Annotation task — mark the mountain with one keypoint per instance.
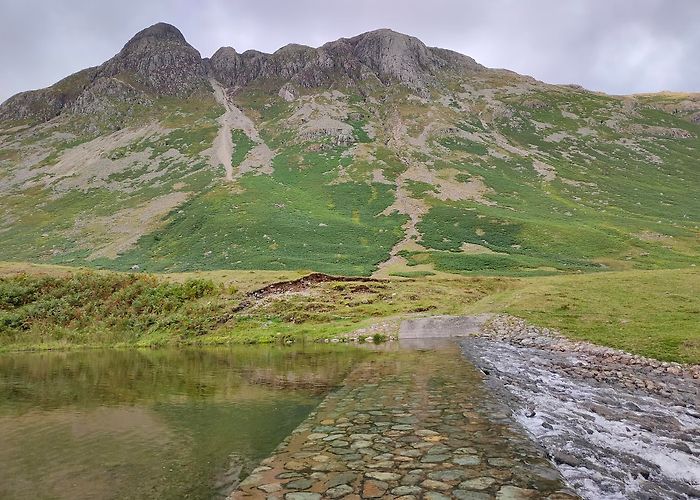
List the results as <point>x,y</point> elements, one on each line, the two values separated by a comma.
<point>370,154</point>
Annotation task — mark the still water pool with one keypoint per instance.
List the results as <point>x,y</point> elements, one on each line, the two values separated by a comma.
<point>153,423</point>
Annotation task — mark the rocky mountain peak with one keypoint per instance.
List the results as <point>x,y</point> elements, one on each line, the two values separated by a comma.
<point>292,48</point>
<point>159,31</point>
<point>159,58</point>
<point>393,55</point>
<point>384,55</point>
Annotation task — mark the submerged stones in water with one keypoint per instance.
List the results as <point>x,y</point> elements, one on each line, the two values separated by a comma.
<point>425,426</point>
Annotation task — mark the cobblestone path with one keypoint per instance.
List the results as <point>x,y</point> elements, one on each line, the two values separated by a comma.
<point>408,425</point>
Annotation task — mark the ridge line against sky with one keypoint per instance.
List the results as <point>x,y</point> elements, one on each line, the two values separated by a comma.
<point>615,46</point>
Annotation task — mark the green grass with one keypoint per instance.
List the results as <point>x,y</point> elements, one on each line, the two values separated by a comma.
<point>358,130</point>
<point>420,189</point>
<point>241,147</point>
<point>301,222</point>
<point>652,313</point>
<point>90,307</point>
<point>412,274</point>
<point>48,308</point>
<point>613,205</point>
<point>188,141</point>
<point>465,145</point>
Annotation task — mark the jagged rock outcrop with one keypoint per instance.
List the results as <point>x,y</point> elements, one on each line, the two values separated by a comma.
<point>105,94</point>
<point>47,103</point>
<point>160,59</point>
<point>382,55</point>
<point>237,70</point>
<point>394,56</point>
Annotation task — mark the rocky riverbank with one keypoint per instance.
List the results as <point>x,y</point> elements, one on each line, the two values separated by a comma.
<point>617,425</point>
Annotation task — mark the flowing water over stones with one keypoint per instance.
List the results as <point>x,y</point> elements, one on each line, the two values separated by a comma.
<point>408,424</point>
<point>618,426</point>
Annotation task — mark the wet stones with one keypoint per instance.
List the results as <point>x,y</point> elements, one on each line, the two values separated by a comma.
<point>412,432</point>
<point>374,489</point>
<point>562,457</point>
<point>615,424</point>
<point>603,364</point>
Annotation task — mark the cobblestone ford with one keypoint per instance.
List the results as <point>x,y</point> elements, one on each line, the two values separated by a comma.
<point>408,425</point>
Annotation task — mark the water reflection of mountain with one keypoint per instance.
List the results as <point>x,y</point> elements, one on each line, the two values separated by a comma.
<point>109,377</point>
<point>153,423</point>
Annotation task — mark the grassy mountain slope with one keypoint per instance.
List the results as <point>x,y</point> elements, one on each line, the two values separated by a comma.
<point>479,171</point>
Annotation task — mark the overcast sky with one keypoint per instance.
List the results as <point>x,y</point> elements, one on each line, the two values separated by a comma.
<point>618,46</point>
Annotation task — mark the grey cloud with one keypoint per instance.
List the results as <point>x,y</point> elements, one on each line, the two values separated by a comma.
<point>617,46</point>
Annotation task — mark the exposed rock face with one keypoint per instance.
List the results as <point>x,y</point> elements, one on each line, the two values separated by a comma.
<point>404,58</point>
<point>382,55</point>
<point>237,70</point>
<point>47,103</point>
<point>159,58</point>
<point>103,95</point>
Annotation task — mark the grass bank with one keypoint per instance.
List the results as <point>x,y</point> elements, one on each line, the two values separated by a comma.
<point>653,313</point>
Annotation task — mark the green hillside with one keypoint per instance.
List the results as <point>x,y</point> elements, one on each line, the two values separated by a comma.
<point>476,171</point>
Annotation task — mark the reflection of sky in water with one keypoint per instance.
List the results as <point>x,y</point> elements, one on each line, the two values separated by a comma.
<point>141,424</point>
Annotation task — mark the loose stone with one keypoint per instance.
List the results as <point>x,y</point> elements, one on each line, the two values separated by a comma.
<point>515,493</point>
<point>302,496</point>
<point>383,476</point>
<point>406,490</point>
<point>270,488</point>
<point>339,491</point>
<point>398,438</point>
<point>467,460</point>
<point>446,475</point>
<point>471,495</point>
<point>431,484</point>
<point>299,484</point>
<point>479,483</point>
<point>374,489</point>
<point>433,495</point>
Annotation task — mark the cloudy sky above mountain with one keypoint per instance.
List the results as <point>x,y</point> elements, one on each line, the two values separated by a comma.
<point>617,46</point>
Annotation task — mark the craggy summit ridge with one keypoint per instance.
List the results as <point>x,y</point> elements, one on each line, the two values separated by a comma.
<point>158,60</point>
<point>384,55</point>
